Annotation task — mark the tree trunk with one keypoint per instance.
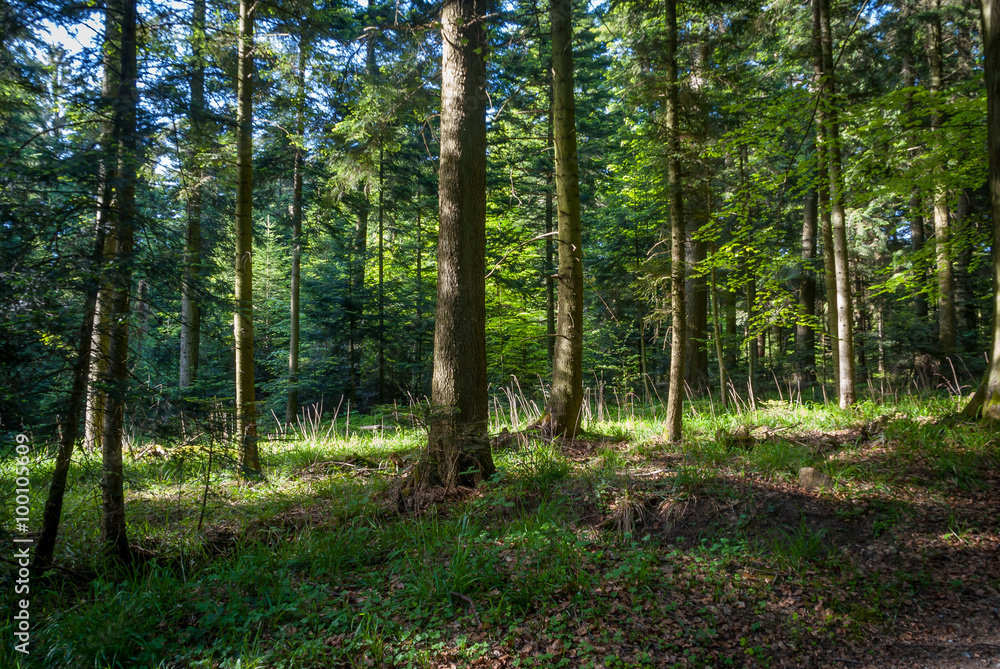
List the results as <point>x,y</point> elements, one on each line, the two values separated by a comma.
<point>823,195</point>
<point>964,304</point>
<point>381,273</point>
<point>942,244</point>
<point>458,449</point>
<point>566,397</point>
<point>696,288</point>
<point>356,289</point>
<point>753,351</point>
<point>717,336</point>
<point>732,334</point>
<point>863,325</point>
<point>678,315</point>
<point>965,225</point>
<point>550,285</point>
<point>986,400</point>
<point>418,385</point>
<point>190,303</point>
<point>805,335</point>
<point>246,408</point>
<point>838,220</point>
<point>122,223</point>
<point>915,207</point>
<point>107,175</point>
<point>298,165</point>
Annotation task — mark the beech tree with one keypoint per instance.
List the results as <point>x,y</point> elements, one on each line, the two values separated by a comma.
<point>986,400</point>
<point>942,215</point>
<point>563,410</point>
<point>838,216</point>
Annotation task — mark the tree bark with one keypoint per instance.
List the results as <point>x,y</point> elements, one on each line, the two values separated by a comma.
<point>122,223</point>
<point>805,335</point>
<point>915,206</point>
<point>753,350</point>
<point>458,450</point>
<point>381,273</point>
<point>418,385</point>
<point>838,220</point>
<point>986,400</point>
<point>942,244</point>
<point>732,351</point>
<point>298,166</point>
<point>190,340</point>
<point>356,290</point>
<point>566,396</point>
<point>246,408</point>
<point>965,307</point>
<point>678,316</point>
<point>823,195</point>
<point>696,288</point>
<point>550,284</point>
<point>719,348</point>
<point>107,175</point>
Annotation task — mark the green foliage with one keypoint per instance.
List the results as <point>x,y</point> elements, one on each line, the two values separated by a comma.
<point>313,566</point>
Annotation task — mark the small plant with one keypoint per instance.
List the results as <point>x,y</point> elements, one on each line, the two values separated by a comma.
<point>543,464</point>
<point>630,510</point>
<point>887,516</point>
<point>800,546</point>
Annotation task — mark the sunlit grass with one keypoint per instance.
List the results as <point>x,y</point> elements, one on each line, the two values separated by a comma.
<point>312,566</point>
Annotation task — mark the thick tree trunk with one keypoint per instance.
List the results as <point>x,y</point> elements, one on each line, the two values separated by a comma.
<point>190,303</point>
<point>838,220</point>
<point>678,315</point>
<point>246,408</point>
<point>805,335</point>
<point>942,236</point>
<point>986,400</point>
<point>566,397</point>
<point>458,449</point>
<point>123,221</point>
<point>298,165</point>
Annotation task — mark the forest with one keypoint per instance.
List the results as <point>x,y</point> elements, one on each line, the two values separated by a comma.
<point>499,333</point>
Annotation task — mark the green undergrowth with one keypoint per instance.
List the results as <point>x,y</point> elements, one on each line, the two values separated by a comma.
<point>623,551</point>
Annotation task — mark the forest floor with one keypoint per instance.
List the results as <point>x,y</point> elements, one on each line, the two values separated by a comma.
<point>615,550</point>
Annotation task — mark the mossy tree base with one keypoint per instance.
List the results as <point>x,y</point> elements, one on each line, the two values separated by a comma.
<point>985,403</point>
